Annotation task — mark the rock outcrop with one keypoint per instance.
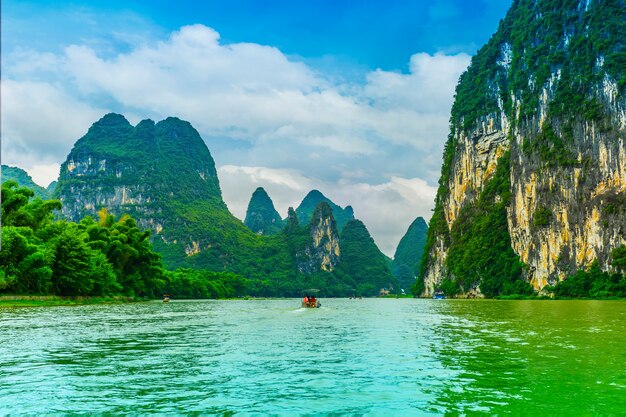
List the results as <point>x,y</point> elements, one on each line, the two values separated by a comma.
<point>161,174</point>
<point>323,252</point>
<point>546,95</point>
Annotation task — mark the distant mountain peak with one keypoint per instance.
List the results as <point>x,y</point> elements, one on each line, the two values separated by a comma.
<point>23,179</point>
<point>112,119</point>
<point>409,253</point>
<point>261,216</point>
<point>310,202</point>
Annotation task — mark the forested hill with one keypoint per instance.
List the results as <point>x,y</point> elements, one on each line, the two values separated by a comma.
<point>408,256</point>
<point>313,198</point>
<point>163,176</point>
<point>22,178</point>
<point>261,216</point>
<point>533,182</point>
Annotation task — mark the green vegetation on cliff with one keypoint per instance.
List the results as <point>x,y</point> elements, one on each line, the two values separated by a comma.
<point>310,202</point>
<point>409,253</point>
<point>535,40</point>
<point>553,72</point>
<point>363,261</point>
<point>595,283</point>
<point>480,245</point>
<point>261,216</point>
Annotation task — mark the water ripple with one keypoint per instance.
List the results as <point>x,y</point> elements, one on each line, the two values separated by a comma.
<point>375,357</point>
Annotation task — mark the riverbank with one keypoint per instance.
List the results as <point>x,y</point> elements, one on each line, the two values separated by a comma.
<point>57,300</point>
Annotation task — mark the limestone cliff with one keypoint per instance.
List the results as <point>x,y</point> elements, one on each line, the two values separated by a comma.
<point>546,95</point>
<point>161,174</point>
<point>322,252</point>
<point>261,216</point>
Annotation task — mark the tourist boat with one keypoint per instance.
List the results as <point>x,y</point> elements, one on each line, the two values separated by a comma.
<point>310,296</point>
<point>166,298</point>
<point>439,295</point>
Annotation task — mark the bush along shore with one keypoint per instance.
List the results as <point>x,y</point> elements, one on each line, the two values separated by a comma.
<point>57,300</point>
<point>45,261</point>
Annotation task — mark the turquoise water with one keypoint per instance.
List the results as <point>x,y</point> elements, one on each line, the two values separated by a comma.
<point>372,356</point>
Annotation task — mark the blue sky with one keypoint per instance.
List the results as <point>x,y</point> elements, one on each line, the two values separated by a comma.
<point>350,97</point>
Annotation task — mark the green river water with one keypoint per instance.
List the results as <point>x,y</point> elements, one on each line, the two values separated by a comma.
<point>372,356</point>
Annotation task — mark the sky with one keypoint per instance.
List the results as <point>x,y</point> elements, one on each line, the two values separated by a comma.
<point>348,97</point>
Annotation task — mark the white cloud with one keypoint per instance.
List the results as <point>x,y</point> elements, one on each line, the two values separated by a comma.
<point>40,123</point>
<point>376,145</point>
<point>254,92</point>
<point>44,174</point>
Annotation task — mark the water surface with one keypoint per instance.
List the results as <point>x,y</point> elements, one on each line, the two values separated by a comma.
<point>372,356</point>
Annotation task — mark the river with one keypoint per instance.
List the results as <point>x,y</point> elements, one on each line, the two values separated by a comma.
<point>370,356</point>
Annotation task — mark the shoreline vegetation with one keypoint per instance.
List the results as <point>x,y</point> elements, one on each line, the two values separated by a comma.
<point>45,261</point>
<point>59,300</point>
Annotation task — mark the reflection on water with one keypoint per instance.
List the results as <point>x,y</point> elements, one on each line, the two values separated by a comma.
<point>350,356</point>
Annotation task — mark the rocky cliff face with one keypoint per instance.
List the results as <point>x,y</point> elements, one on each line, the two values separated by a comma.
<point>322,253</point>
<point>310,202</point>
<point>261,216</point>
<point>161,174</point>
<point>164,176</point>
<point>547,93</point>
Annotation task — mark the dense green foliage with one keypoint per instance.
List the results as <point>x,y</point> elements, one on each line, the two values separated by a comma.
<point>409,253</point>
<point>261,216</point>
<point>199,284</point>
<point>363,262</point>
<point>595,283</point>
<point>542,217</point>
<point>22,178</point>
<point>104,257</point>
<point>163,175</point>
<point>545,37</point>
<point>311,201</point>
<point>480,251</point>
<point>42,256</point>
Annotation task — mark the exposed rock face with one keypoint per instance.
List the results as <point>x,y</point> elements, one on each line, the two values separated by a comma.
<point>409,253</point>
<point>161,174</point>
<point>323,252</point>
<point>548,90</point>
<point>22,178</point>
<point>310,202</point>
<point>261,216</point>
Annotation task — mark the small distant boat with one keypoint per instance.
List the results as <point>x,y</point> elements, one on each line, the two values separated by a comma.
<point>166,298</point>
<point>439,295</point>
<point>309,300</point>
